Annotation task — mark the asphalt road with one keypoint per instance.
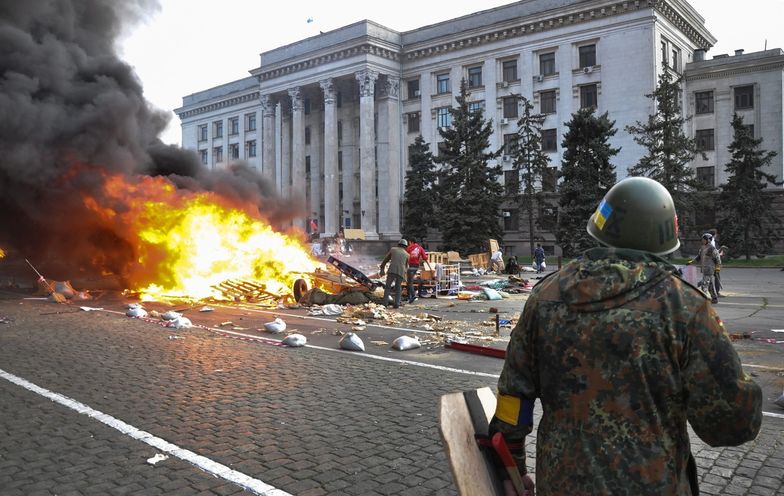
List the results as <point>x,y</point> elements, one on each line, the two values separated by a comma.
<point>86,398</point>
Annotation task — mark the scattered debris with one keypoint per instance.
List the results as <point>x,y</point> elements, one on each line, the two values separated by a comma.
<point>91,309</point>
<point>176,337</point>
<point>404,343</point>
<point>351,342</point>
<point>276,326</point>
<point>206,309</point>
<point>157,458</point>
<point>295,340</point>
<point>780,402</point>
<point>379,343</point>
<point>328,309</point>
<point>6,320</point>
<point>242,290</point>
<point>227,323</point>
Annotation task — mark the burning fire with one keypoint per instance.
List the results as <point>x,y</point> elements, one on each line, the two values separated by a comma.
<point>186,242</point>
<point>2,253</point>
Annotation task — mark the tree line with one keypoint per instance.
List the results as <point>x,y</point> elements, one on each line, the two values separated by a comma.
<point>458,191</point>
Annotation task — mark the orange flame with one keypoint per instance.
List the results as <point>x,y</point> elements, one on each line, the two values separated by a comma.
<point>186,242</point>
<point>2,253</point>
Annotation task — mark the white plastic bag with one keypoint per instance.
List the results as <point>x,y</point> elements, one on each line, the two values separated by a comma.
<point>171,315</point>
<point>276,326</point>
<point>180,323</point>
<point>404,343</point>
<point>351,342</point>
<point>295,340</point>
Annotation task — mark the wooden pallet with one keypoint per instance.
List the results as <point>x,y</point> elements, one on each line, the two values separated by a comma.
<point>240,289</point>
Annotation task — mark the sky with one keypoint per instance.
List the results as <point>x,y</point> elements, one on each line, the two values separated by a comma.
<point>191,45</point>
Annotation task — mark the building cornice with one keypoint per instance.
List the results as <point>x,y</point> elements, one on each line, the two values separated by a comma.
<point>666,9</point>
<point>210,107</point>
<point>723,72</point>
<point>364,48</point>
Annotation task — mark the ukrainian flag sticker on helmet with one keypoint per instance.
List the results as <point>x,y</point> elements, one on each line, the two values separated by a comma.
<point>602,214</point>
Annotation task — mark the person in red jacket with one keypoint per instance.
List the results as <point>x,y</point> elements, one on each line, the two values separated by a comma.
<point>416,256</point>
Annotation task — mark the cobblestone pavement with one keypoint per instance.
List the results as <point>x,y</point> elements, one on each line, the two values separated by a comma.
<point>307,421</point>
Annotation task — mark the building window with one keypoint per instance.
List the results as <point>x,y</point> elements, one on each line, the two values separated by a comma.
<point>744,97</point>
<point>549,179</point>
<point>413,122</point>
<point>510,107</point>
<point>307,135</point>
<point>511,220</point>
<point>474,77</point>
<point>307,167</point>
<point>441,148</point>
<point>547,64</point>
<point>510,142</point>
<point>217,129</point>
<point>413,88</point>
<point>588,96</point>
<point>340,133</point>
<point>704,140</point>
<point>340,162</point>
<point>664,52</point>
<point>442,83</point>
<point>703,101</point>
<point>203,132</point>
<point>587,56</point>
<point>676,59</point>
<point>250,122</point>
<point>549,140</point>
<point>512,182</point>
<point>749,129</point>
<point>548,217</point>
<point>234,151</point>
<point>509,70</point>
<point>706,175</point>
<point>234,126</point>
<point>476,106</point>
<point>339,99</point>
<point>443,117</point>
<point>306,105</point>
<point>203,156</point>
<point>250,145</point>
<point>547,102</point>
<point>217,154</point>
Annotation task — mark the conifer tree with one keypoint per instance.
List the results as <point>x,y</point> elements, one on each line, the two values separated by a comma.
<point>587,176</point>
<point>469,193</point>
<point>669,150</point>
<point>530,161</point>
<point>419,200</point>
<point>748,224</point>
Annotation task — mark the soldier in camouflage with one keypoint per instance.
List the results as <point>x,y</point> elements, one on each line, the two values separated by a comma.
<point>622,353</point>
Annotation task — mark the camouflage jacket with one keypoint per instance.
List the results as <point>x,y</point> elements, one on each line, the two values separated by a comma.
<point>709,259</point>
<point>621,353</point>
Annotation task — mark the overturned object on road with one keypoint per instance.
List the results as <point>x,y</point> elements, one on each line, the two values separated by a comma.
<point>404,343</point>
<point>295,340</point>
<point>351,342</point>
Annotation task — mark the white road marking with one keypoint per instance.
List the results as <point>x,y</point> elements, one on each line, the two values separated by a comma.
<point>771,414</point>
<point>214,468</point>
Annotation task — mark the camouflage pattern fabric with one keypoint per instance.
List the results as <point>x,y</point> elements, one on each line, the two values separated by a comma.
<point>621,353</point>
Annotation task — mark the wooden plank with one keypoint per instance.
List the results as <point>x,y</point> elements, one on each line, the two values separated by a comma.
<point>493,245</point>
<point>469,468</point>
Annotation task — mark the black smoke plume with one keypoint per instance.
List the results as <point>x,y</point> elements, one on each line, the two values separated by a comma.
<point>70,109</point>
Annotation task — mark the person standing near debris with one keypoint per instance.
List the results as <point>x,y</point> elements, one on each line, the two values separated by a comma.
<point>497,261</point>
<point>397,258</point>
<point>416,255</point>
<point>514,266</point>
<point>622,354</point>
<point>539,263</point>
<point>709,259</point>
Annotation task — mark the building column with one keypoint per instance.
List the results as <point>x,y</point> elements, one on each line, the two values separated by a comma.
<point>367,155</point>
<point>268,138</point>
<point>389,158</point>
<point>298,153</point>
<point>332,207</point>
<point>285,151</point>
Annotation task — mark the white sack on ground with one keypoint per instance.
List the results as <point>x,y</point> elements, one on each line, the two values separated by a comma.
<point>351,342</point>
<point>135,310</point>
<point>276,326</point>
<point>404,343</point>
<point>180,323</point>
<point>171,315</point>
<point>295,340</point>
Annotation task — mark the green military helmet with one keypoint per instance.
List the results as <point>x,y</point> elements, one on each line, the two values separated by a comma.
<point>637,213</point>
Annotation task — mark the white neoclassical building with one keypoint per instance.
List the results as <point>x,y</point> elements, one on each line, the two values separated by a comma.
<point>330,118</point>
